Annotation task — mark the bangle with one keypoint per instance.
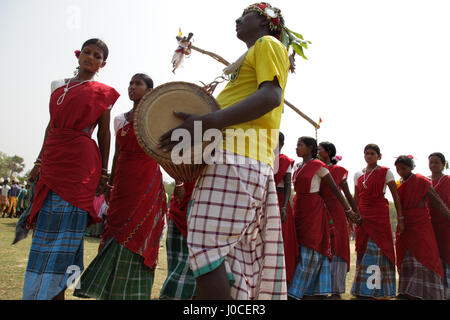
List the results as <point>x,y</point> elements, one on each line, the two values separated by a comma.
<point>179,185</point>
<point>401,218</point>
<point>105,176</point>
<point>348,210</point>
<point>37,164</point>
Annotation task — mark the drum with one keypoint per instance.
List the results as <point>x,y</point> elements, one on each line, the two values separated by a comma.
<point>154,117</point>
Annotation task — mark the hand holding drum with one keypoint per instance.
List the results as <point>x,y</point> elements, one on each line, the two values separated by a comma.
<point>160,113</point>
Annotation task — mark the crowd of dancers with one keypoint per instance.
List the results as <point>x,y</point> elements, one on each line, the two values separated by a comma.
<point>232,233</point>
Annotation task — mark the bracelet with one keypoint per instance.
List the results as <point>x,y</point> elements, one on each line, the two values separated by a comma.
<point>179,185</point>
<point>401,218</point>
<point>348,210</point>
<point>105,176</point>
<point>38,164</point>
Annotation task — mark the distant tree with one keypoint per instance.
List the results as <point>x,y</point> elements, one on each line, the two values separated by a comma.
<point>10,166</point>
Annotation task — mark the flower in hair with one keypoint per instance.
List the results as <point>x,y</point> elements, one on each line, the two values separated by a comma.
<point>77,53</point>
<point>410,156</point>
<point>339,158</point>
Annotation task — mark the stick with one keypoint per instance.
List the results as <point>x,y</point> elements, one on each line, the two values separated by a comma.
<point>211,54</point>
<point>225,62</point>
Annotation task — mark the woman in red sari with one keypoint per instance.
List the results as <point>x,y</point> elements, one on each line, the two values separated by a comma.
<point>340,244</point>
<point>70,168</point>
<point>441,225</point>
<point>375,264</point>
<point>126,261</point>
<point>313,275</point>
<point>420,269</point>
<point>282,178</point>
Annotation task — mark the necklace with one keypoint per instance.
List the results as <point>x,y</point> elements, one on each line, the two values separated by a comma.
<point>124,133</point>
<point>66,89</point>
<point>439,181</point>
<point>403,181</point>
<point>367,178</point>
<point>296,173</point>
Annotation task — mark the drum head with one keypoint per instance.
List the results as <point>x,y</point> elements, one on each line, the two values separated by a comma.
<point>154,114</point>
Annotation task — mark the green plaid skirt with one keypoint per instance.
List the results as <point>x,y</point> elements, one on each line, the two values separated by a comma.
<point>116,273</point>
<point>180,281</point>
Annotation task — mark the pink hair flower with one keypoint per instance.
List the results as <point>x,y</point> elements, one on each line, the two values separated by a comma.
<point>410,156</point>
<point>77,53</point>
<point>339,158</point>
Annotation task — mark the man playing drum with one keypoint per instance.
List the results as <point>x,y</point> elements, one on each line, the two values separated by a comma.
<point>234,228</point>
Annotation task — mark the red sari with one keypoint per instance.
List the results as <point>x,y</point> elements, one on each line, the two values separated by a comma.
<point>138,205</point>
<point>311,214</point>
<point>71,160</point>
<point>290,245</point>
<point>374,210</point>
<point>441,224</point>
<point>340,242</point>
<point>178,211</point>
<point>418,237</point>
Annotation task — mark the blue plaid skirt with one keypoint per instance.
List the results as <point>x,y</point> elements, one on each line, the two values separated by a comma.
<point>312,275</point>
<point>56,251</point>
<point>446,279</point>
<point>338,275</point>
<point>375,274</point>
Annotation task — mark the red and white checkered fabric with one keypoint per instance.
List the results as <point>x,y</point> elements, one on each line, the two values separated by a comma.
<point>235,217</point>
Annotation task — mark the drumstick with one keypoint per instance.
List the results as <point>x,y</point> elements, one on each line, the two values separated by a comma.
<point>225,62</point>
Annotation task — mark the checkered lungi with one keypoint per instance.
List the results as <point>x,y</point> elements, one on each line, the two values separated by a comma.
<point>446,279</point>
<point>57,244</point>
<point>364,283</point>
<point>180,282</point>
<point>312,276</point>
<point>416,280</point>
<point>338,274</point>
<point>234,218</point>
<point>116,273</point>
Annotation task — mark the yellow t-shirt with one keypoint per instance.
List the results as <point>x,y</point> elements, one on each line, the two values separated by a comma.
<point>267,59</point>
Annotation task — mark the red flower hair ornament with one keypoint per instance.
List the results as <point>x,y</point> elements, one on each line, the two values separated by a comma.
<point>278,29</point>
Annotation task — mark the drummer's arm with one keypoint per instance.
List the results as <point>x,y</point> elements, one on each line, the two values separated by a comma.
<point>265,99</point>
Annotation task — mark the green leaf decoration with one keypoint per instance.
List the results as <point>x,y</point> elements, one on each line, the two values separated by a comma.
<point>284,38</point>
<point>299,50</point>
<point>298,35</point>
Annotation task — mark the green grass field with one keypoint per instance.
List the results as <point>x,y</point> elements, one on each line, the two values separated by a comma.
<point>14,261</point>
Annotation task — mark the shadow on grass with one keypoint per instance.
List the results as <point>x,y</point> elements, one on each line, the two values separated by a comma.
<point>10,224</point>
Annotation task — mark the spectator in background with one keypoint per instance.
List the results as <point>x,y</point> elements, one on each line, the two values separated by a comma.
<point>21,200</point>
<point>4,202</point>
<point>13,197</point>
